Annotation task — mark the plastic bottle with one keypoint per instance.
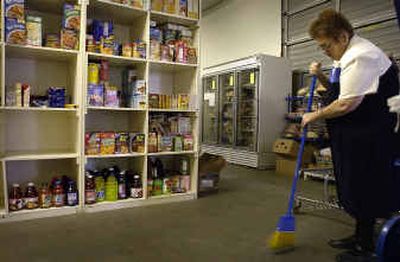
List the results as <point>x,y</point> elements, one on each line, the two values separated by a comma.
<point>45,196</point>
<point>58,198</point>
<point>90,189</point>
<point>72,194</point>
<point>157,177</point>
<point>100,187</point>
<point>122,185</point>
<point>111,187</point>
<point>31,197</point>
<point>15,201</point>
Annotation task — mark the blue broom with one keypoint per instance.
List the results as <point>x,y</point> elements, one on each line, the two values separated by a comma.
<point>283,238</point>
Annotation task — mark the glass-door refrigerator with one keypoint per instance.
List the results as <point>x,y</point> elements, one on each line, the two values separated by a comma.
<point>227,109</point>
<point>210,123</point>
<point>250,94</point>
<point>247,109</point>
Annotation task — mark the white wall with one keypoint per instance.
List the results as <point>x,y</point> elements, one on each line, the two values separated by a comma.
<point>239,28</point>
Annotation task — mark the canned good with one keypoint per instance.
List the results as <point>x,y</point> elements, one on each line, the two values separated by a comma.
<point>93,73</point>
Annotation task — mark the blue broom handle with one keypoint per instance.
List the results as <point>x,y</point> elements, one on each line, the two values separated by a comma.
<point>301,150</point>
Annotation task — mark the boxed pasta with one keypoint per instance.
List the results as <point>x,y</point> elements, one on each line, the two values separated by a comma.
<point>69,39</point>
<point>193,9</point>
<point>34,30</point>
<point>107,144</point>
<point>15,31</point>
<point>15,9</point>
<point>122,143</point>
<point>92,143</point>
<point>72,17</point>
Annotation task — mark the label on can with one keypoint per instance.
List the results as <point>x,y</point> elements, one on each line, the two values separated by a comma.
<point>72,199</point>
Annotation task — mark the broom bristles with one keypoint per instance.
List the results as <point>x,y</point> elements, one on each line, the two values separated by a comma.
<point>282,241</point>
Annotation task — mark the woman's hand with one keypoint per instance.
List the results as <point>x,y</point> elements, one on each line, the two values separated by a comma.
<point>309,118</point>
<point>315,68</point>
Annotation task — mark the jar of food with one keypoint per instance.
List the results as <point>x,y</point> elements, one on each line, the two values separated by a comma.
<point>31,197</point>
<point>137,188</point>
<point>44,196</point>
<point>90,189</point>
<point>15,201</point>
<point>58,198</point>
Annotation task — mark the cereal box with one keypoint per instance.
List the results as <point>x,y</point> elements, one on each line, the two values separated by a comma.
<point>15,31</point>
<point>187,142</point>
<point>166,144</point>
<point>15,9</point>
<point>95,95</point>
<point>72,17</point>
<point>107,144</point>
<point>92,143</point>
<point>136,143</point>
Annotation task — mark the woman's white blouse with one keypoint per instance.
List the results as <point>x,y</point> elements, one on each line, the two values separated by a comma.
<point>361,66</point>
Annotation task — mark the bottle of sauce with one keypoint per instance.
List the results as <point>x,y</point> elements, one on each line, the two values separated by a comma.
<point>15,201</point>
<point>31,197</point>
<point>122,185</point>
<point>90,189</point>
<point>44,196</point>
<point>72,194</point>
<point>58,199</point>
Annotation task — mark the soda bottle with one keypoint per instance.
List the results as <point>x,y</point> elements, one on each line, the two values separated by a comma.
<point>31,196</point>
<point>44,196</point>
<point>90,189</point>
<point>100,187</point>
<point>185,178</point>
<point>111,187</point>
<point>58,194</point>
<point>15,201</point>
<point>72,194</point>
<point>122,185</point>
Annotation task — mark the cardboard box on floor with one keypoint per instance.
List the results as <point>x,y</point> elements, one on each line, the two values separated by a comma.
<point>210,167</point>
<point>286,151</point>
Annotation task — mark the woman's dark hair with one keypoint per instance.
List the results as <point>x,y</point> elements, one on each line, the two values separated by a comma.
<point>330,24</point>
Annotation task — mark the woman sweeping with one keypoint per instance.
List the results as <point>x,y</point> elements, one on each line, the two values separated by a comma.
<point>360,126</point>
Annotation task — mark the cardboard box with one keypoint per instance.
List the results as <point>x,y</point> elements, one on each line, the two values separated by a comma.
<point>286,166</point>
<point>288,148</point>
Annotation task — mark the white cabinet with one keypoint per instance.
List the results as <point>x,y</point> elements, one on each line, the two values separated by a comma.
<point>39,143</point>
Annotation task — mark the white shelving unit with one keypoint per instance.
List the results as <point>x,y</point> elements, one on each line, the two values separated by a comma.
<point>37,144</point>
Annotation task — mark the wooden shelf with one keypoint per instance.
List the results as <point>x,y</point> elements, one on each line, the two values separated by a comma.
<point>125,203</point>
<point>40,52</point>
<point>173,110</point>
<point>171,66</point>
<point>116,60</point>
<point>171,153</point>
<point>120,13</point>
<point>41,213</point>
<point>38,156</point>
<point>102,108</point>
<point>171,18</point>
<point>114,156</point>
<point>41,109</point>
<point>171,196</point>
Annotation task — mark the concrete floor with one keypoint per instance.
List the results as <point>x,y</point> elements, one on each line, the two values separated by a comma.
<point>229,226</point>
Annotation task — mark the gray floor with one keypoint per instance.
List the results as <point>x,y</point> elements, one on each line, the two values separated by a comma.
<point>229,226</point>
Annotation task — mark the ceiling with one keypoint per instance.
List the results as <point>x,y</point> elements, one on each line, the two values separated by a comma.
<point>206,4</point>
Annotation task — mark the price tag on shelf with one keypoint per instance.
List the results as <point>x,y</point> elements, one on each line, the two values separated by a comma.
<point>213,84</point>
<point>231,80</point>
<point>252,80</point>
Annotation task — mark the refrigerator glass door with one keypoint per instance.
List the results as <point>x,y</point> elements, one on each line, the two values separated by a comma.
<point>210,110</point>
<point>247,109</point>
<point>228,101</point>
